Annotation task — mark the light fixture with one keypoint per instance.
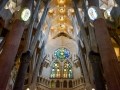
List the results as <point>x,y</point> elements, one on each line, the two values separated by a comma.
<point>52,28</point>
<point>58,70</point>
<point>28,89</point>
<point>55,64</point>
<point>61,18</point>
<point>72,10</point>
<point>64,69</point>
<point>62,26</point>
<point>62,10</point>
<point>51,11</point>
<point>92,13</point>
<point>25,15</point>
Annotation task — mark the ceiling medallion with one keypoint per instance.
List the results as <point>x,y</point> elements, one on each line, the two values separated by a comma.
<point>62,10</point>
<point>62,26</point>
<point>61,18</point>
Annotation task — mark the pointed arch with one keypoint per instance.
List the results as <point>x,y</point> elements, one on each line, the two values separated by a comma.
<point>67,71</point>
<point>56,70</point>
<point>70,84</point>
<point>52,84</point>
<point>65,84</point>
<point>57,83</point>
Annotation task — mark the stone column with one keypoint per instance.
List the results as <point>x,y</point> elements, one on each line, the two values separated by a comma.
<point>38,68</point>
<point>84,68</point>
<point>19,82</point>
<point>10,48</point>
<point>30,28</point>
<point>83,34</point>
<point>9,52</point>
<point>108,56</point>
<point>96,65</point>
<point>107,53</point>
<point>39,31</point>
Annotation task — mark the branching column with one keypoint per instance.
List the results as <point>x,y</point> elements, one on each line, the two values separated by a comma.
<point>85,40</point>
<point>30,27</point>
<point>96,65</point>
<point>39,31</point>
<point>19,83</point>
<point>108,56</point>
<point>94,56</point>
<point>33,43</point>
<point>84,68</point>
<point>37,68</point>
<point>107,53</point>
<point>10,48</point>
<point>9,52</point>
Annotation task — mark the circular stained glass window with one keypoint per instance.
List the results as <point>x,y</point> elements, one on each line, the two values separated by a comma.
<point>62,53</point>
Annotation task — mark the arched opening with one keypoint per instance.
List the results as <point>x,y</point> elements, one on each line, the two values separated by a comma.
<point>70,84</point>
<point>82,80</point>
<point>43,81</point>
<point>65,84</point>
<point>55,73</point>
<point>74,83</point>
<point>52,84</point>
<point>78,81</point>
<point>57,83</point>
<point>67,72</point>
<point>40,79</point>
<point>49,83</point>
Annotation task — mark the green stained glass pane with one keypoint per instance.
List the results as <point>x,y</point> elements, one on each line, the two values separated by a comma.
<point>62,53</point>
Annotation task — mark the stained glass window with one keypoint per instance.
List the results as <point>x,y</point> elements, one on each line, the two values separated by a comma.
<point>55,73</point>
<point>67,72</point>
<point>62,53</point>
<point>59,71</point>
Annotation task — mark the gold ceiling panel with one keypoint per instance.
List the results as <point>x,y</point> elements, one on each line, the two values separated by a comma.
<point>59,12</point>
<point>61,2</point>
<point>59,20</point>
<point>62,10</point>
<point>62,18</point>
<point>51,12</point>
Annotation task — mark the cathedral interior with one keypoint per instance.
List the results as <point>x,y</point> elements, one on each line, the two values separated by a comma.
<point>59,45</point>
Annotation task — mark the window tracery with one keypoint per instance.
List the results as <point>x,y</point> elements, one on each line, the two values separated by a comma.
<point>62,53</point>
<point>61,71</point>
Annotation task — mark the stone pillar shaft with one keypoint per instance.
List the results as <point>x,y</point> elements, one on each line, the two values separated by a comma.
<point>97,70</point>
<point>108,56</point>
<point>30,28</point>
<point>39,32</point>
<point>19,83</point>
<point>9,52</point>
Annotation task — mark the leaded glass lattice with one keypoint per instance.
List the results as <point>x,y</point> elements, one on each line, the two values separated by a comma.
<point>60,70</point>
<point>62,53</point>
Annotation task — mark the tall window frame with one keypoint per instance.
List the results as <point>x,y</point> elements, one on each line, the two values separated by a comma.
<point>61,70</point>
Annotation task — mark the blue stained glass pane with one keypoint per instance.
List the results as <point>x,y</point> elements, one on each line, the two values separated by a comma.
<point>62,53</point>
